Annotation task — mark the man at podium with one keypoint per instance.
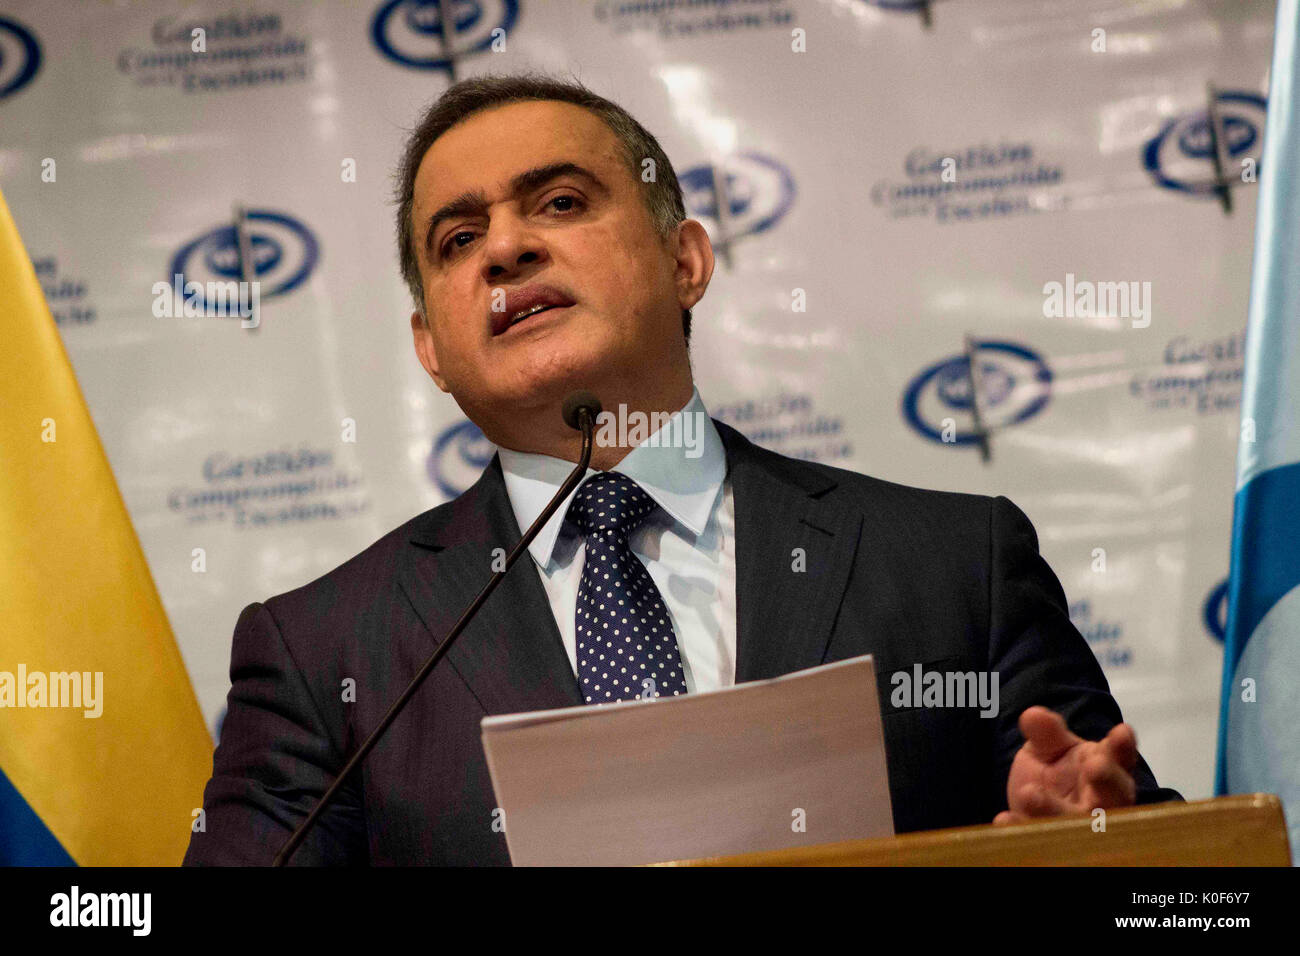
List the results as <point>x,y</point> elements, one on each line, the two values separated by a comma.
<point>543,235</point>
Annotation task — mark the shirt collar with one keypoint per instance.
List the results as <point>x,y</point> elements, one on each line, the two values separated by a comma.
<point>681,466</point>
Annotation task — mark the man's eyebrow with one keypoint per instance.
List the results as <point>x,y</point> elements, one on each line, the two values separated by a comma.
<point>475,201</point>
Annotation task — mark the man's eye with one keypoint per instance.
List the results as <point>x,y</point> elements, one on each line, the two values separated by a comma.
<point>452,244</point>
<point>571,203</point>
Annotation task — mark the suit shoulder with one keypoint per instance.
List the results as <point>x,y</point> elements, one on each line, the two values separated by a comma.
<point>948,517</point>
<point>893,499</point>
<point>889,502</point>
<point>906,495</point>
<point>352,585</point>
<point>819,478</point>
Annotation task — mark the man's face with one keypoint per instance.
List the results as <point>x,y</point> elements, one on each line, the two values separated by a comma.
<point>583,236</point>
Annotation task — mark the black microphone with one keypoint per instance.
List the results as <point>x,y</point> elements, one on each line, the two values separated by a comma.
<point>580,411</point>
<point>579,401</point>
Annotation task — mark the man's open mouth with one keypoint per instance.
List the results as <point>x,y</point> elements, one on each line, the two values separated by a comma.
<point>524,304</point>
<point>529,313</point>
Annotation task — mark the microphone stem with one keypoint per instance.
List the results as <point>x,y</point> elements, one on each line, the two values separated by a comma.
<point>575,477</point>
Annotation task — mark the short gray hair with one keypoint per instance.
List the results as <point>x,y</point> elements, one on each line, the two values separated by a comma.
<point>662,196</point>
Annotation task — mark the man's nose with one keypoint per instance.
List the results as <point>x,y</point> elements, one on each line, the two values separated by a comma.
<point>510,245</point>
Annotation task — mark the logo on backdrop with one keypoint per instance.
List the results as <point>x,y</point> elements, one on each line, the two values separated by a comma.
<point>1201,375</point>
<point>677,20</point>
<point>971,183</point>
<point>218,52</point>
<point>1214,614</point>
<point>459,455</point>
<point>789,423</point>
<point>1105,636</point>
<point>1181,156</point>
<point>271,488</point>
<point>910,6</point>
<point>1014,384</point>
<point>284,254</point>
<point>410,31</point>
<point>20,56</point>
<point>759,191</point>
<point>66,293</point>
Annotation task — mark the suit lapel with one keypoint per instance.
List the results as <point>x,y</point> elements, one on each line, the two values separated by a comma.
<point>784,616</point>
<point>511,655</point>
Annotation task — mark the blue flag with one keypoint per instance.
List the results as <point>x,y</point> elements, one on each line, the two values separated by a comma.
<point>1259,724</point>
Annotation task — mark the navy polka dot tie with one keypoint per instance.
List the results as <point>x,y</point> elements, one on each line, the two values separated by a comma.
<point>626,645</point>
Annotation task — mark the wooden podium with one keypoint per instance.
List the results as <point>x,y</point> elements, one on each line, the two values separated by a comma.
<point>1247,830</point>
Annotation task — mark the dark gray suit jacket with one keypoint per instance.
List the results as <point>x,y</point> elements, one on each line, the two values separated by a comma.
<point>949,581</point>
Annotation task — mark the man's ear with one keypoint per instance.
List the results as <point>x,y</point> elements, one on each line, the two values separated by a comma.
<point>425,350</point>
<point>694,262</point>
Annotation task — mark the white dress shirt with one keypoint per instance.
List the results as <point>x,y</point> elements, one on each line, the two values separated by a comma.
<point>688,544</point>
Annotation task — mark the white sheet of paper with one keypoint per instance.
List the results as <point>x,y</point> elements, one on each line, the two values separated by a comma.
<point>700,775</point>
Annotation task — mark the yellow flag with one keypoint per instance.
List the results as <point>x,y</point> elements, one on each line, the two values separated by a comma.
<point>103,749</point>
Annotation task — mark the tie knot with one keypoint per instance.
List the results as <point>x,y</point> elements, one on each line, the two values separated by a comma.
<point>608,500</point>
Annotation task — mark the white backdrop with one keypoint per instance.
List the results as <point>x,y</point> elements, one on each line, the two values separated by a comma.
<point>1067,160</point>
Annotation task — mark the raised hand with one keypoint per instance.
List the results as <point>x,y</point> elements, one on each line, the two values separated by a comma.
<point>1056,773</point>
